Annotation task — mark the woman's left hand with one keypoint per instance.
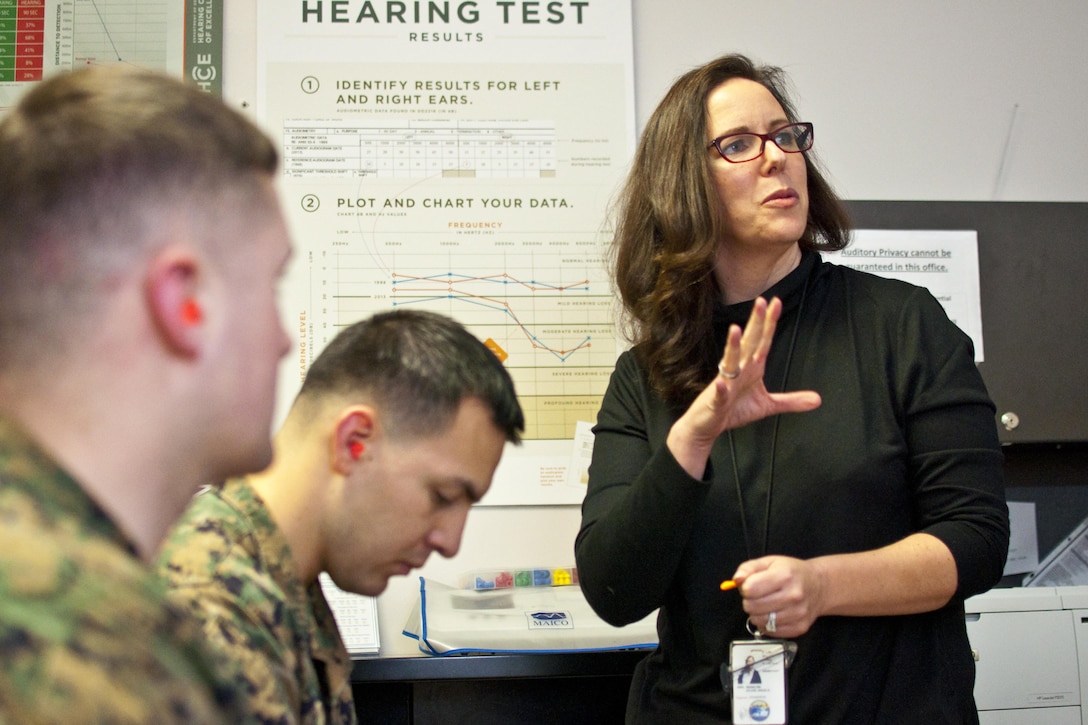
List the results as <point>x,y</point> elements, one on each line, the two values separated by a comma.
<point>788,588</point>
<point>915,574</point>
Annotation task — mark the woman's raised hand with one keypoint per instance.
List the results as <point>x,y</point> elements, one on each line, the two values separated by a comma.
<point>737,395</point>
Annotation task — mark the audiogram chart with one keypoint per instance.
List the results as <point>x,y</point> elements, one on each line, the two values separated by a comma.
<point>125,31</point>
<point>541,302</point>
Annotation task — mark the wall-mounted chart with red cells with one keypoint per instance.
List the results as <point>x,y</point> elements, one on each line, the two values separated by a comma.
<point>22,40</point>
<point>41,37</point>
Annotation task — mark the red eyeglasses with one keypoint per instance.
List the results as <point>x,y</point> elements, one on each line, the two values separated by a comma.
<point>737,148</point>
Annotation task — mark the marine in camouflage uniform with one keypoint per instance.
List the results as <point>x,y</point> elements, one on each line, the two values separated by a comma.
<point>228,562</point>
<point>85,635</point>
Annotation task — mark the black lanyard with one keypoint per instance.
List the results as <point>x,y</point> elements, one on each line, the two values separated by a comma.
<point>774,442</point>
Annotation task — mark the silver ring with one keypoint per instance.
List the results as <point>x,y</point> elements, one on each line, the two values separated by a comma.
<point>772,626</point>
<point>727,376</point>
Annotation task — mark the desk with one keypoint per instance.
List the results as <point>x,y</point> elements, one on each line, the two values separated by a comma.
<point>531,689</point>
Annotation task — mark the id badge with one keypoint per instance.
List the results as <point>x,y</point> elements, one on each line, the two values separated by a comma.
<point>758,680</point>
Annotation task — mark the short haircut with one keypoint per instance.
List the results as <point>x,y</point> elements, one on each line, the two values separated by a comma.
<point>417,367</point>
<point>94,165</point>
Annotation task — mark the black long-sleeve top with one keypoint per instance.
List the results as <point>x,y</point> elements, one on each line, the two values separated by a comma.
<point>905,441</point>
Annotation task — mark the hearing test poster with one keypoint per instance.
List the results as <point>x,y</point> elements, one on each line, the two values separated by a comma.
<point>460,157</point>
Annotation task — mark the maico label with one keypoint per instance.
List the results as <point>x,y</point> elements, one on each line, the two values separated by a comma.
<point>549,620</point>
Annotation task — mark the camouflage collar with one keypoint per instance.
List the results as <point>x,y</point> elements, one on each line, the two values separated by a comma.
<point>307,602</point>
<point>274,551</point>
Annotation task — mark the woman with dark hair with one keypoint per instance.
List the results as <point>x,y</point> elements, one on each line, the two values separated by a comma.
<point>857,525</point>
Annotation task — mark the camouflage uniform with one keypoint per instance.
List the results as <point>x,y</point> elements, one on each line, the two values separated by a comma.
<point>228,561</point>
<point>85,635</point>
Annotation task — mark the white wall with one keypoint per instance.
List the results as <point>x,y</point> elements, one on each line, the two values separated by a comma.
<point>911,100</point>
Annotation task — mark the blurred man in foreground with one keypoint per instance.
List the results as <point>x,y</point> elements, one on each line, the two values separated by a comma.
<point>141,241</point>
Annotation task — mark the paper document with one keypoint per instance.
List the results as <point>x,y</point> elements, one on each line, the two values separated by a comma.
<point>1024,543</point>
<point>944,262</point>
<point>356,615</point>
